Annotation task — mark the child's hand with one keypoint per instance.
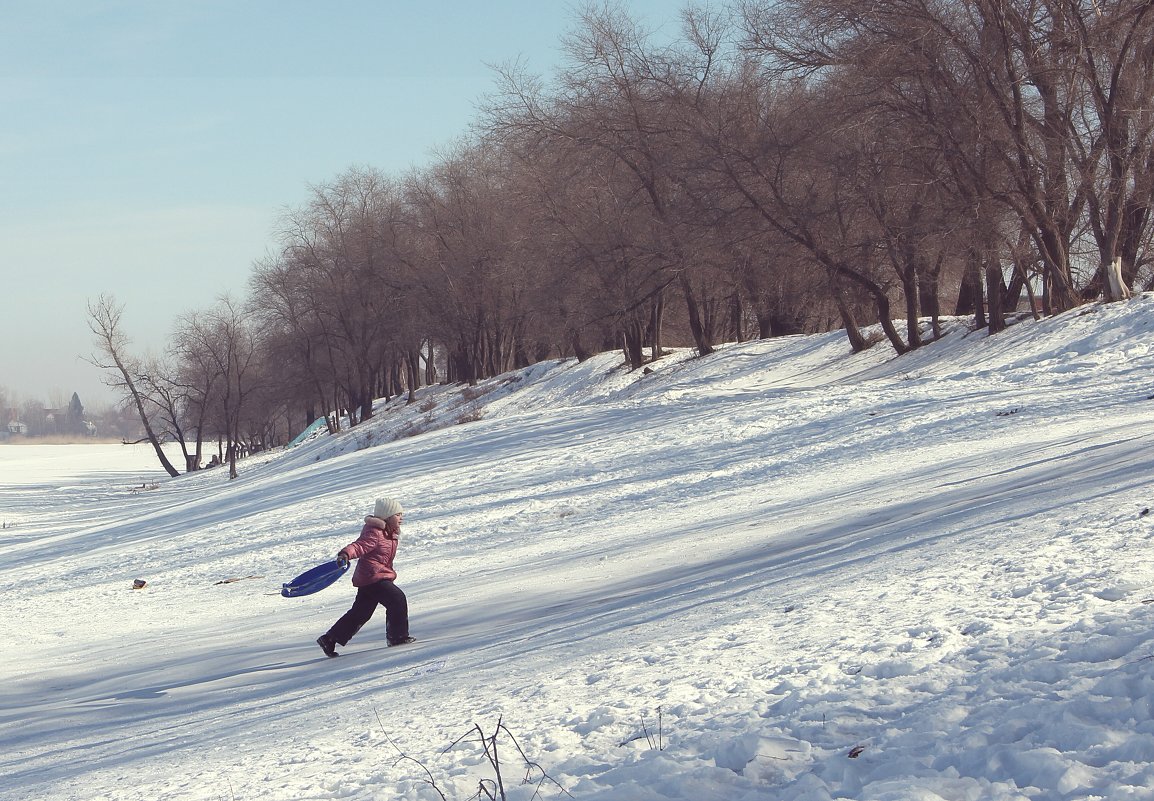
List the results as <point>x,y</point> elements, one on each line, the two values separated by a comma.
<point>343,559</point>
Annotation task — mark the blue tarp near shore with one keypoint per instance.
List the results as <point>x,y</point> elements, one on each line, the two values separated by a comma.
<point>301,437</point>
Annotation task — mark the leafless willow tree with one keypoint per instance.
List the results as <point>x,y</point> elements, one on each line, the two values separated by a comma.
<point>329,294</point>
<point>122,369</point>
<point>1040,107</point>
<point>222,342</point>
<point>164,383</point>
<point>296,338</point>
<point>466,257</point>
<point>611,124</point>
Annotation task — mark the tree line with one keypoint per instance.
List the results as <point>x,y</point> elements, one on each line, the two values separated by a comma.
<point>768,168</point>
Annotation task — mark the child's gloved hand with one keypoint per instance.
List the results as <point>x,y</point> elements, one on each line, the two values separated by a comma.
<point>343,560</point>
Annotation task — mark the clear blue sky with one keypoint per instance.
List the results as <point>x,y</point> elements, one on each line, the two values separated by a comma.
<point>148,146</point>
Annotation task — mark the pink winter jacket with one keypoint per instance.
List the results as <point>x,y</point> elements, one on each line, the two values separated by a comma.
<point>375,549</point>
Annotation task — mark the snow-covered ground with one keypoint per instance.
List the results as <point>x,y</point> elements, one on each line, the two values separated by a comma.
<point>780,572</point>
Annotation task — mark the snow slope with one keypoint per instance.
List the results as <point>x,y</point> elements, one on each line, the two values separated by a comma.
<point>783,571</point>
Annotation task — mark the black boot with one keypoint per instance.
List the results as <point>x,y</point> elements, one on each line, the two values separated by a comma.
<point>328,645</point>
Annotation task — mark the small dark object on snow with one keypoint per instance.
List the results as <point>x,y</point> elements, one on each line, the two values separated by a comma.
<point>139,584</point>
<point>856,751</point>
<point>238,578</point>
<point>1144,512</point>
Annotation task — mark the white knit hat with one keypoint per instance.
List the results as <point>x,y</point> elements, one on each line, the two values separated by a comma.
<point>386,508</point>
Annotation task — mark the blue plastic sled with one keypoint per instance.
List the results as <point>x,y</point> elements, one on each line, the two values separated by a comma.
<point>314,580</point>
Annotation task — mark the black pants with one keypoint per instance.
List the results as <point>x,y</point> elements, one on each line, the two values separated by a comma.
<point>388,595</point>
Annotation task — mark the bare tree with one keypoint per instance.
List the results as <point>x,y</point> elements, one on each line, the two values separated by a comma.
<point>611,125</point>
<point>121,369</point>
<point>334,288</point>
<point>222,340</point>
<point>298,336</point>
<point>171,398</point>
<point>1116,43</point>
<point>1041,107</point>
<point>465,255</point>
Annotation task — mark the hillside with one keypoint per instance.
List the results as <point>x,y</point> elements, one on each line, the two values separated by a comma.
<point>784,571</point>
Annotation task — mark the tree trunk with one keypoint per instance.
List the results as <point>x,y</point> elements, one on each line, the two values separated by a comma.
<point>928,298</point>
<point>995,291</point>
<point>633,342</point>
<point>736,315</point>
<point>970,299</point>
<point>579,350</point>
<point>656,327</point>
<point>413,366</point>
<point>911,285</point>
<point>1116,288</point>
<point>366,405</point>
<point>430,365</point>
<point>857,340</point>
<point>883,308</point>
<point>701,335</point>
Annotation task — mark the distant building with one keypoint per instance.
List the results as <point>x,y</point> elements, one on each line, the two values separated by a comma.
<point>54,420</point>
<point>68,421</point>
<point>16,427</point>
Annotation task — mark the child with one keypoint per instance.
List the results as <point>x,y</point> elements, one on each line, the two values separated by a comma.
<point>373,578</point>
